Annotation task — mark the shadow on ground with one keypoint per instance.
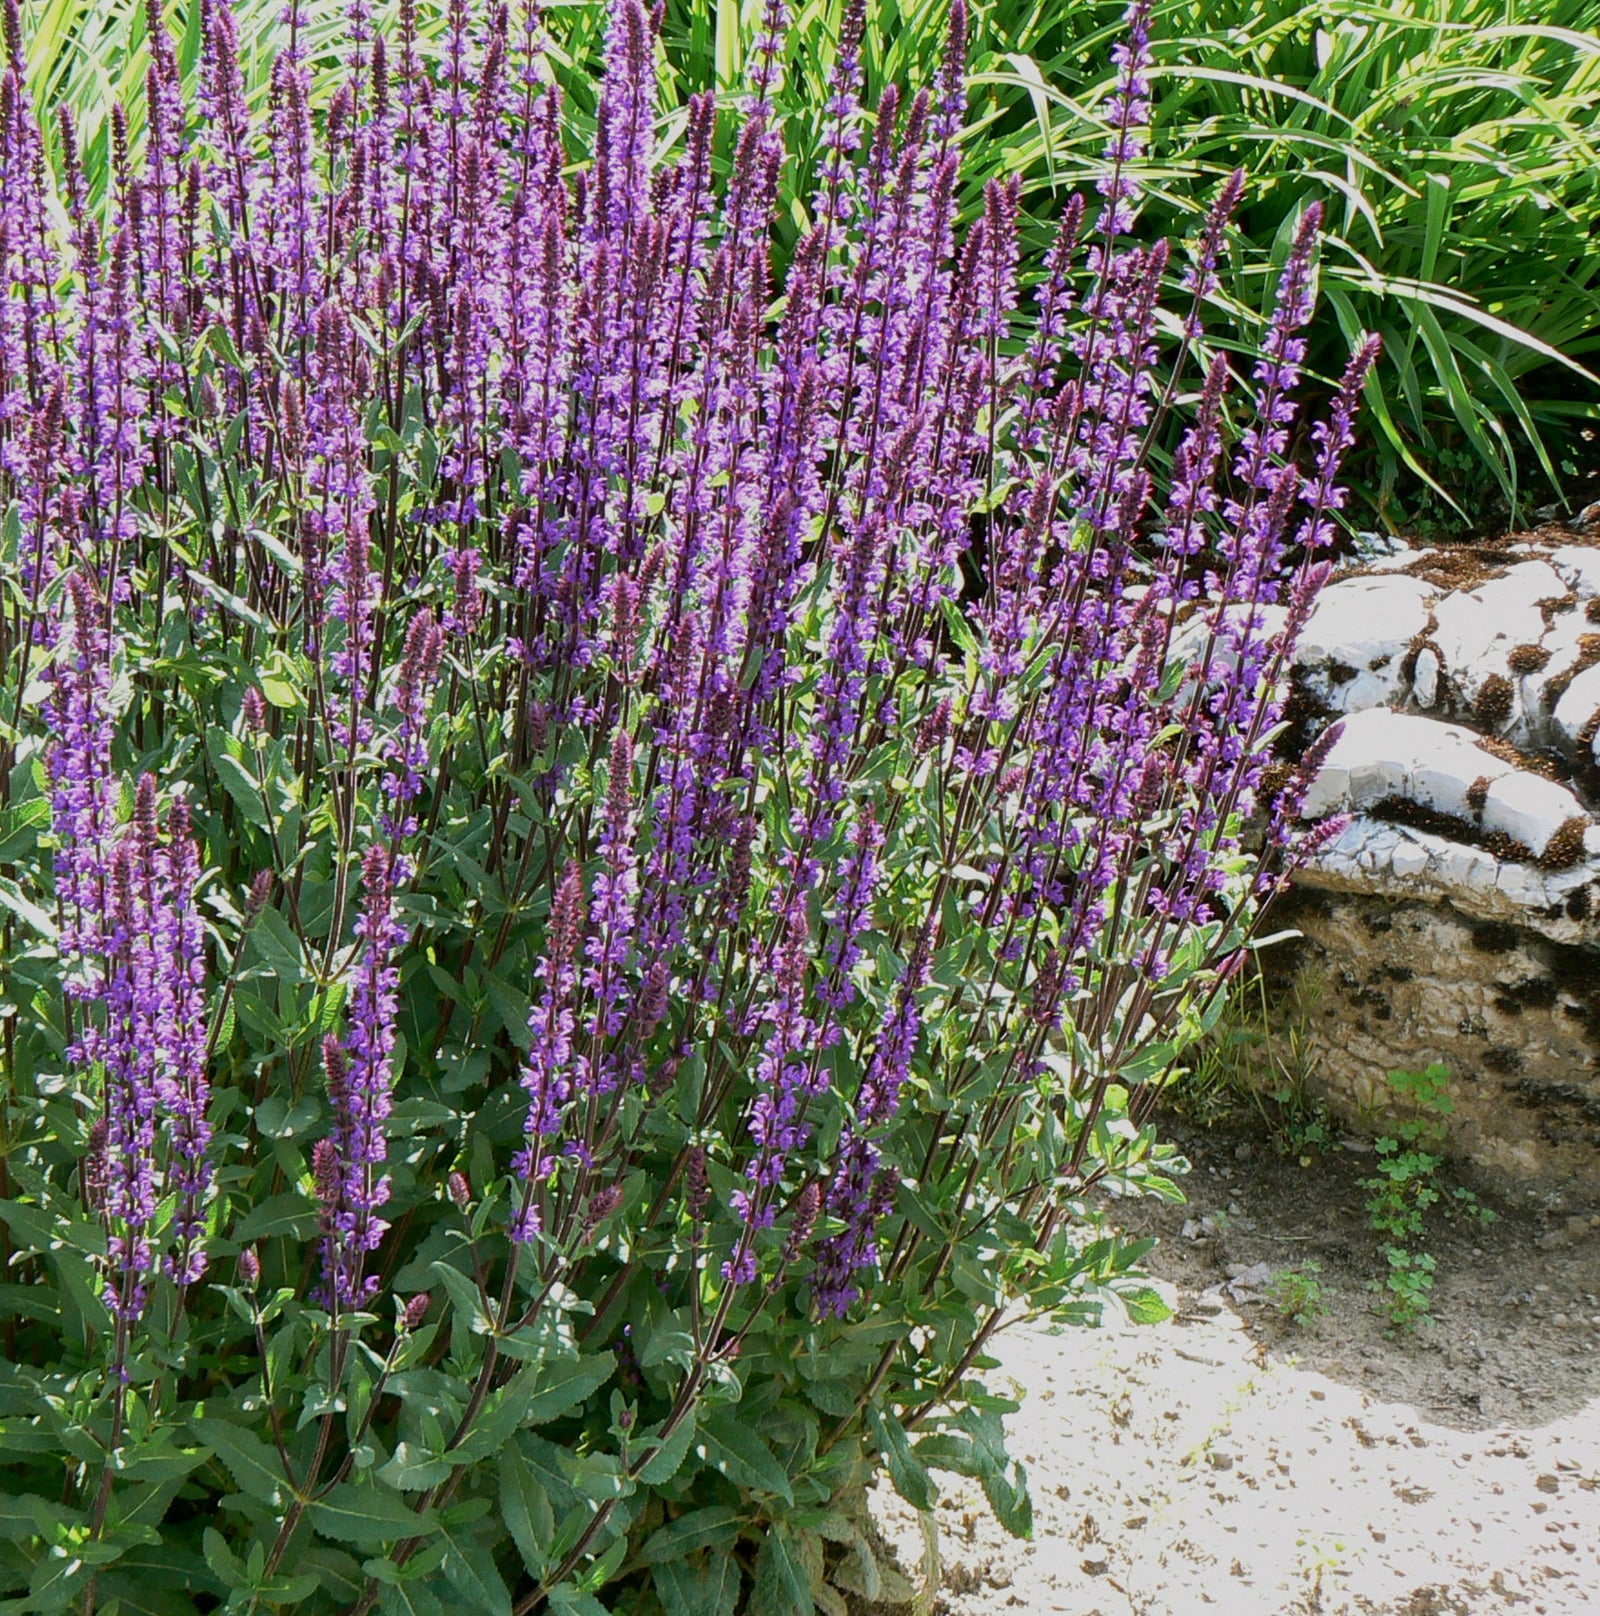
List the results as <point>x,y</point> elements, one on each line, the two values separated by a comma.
<point>1515,1331</point>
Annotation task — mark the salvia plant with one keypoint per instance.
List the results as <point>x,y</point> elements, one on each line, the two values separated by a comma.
<point>601,854</point>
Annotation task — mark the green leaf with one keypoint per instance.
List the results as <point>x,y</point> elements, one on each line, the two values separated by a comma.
<point>286,1214</point>
<point>55,1582</point>
<point>698,1590</point>
<point>242,786</point>
<point>255,1467</point>
<point>714,1527</point>
<point>667,1460</point>
<point>132,1588</point>
<point>782,1587</point>
<point>1143,1304</point>
<point>368,1514</point>
<point>505,1413</point>
<point>975,1445</point>
<point>20,827</point>
<point>26,910</point>
<point>278,946</point>
<point>835,1397</point>
<point>1009,1498</point>
<point>566,1383</point>
<point>727,1444</point>
<point>512,1007</point>
<point>464,1296</point>
<point>339,1573</point>
<point>471,1572</point>
<point>414,1468</point>
<point>907,1472</point>
<point>569,1601</point>
<point>228,1567</point>
<point>525,1507</point>
<point>411,1597</point>
<point>26,1515</point>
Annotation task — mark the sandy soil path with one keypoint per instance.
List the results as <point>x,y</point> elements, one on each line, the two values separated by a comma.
<point>1224,1462</point>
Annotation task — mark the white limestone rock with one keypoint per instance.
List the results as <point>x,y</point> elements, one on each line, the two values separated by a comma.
<point>1529,809</point>
<point>1576,710</point>
<point>1381,756</point>
<point>1398,862</point>
<point>1351,653</point>
<point>1455,917</point>
<point>1579,568</point>
<point>1477,629</point>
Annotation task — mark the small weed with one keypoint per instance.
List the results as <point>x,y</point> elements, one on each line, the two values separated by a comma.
<point>1321,1569</point>
<point>1297,1294</point>
<point>1268,1062</point>
<point>1409,1287</point>
<point>1406,1190</point>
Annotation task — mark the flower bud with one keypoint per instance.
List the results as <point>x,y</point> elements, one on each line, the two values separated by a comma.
<point>416,1310</point>
<point>249,1268</point>
<point>260,892</point>
<point>805,1220</point>
<point>94,1171</point>
<point>254,711</point>
<point>325,1173</point>
<point>601,1206</point>
<point>459,1189</point>
<point>699,1185</point>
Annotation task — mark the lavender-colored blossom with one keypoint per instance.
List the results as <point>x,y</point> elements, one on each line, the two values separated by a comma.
<point>554,1065</point>
<point>360,1074</point>
<point>82,780</point>
<point>804,618</point>
<point>406,751</point>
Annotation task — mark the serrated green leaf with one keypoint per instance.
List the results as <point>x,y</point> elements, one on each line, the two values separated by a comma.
<point>256,1468</point>
<point>472,1573</point>
<point>907,1472</point>
<point>782,1586</point>
<point>278,946</point>
<point>413,1597</point>
<point>286,1214</point>
<point>339,1573</point>
<point>1143,1304</point>
<point>727,1444</point>
<point>26,1515</point>
<point>711,1589</point>
<point>353,1513</point>
<point>414,1468</point>
<point>525,1507</point>
<point>464,1296</point>
<point>714,1527</point>
<point>667,1460</point>
<point>566,1383</point>
<point>242,786</point>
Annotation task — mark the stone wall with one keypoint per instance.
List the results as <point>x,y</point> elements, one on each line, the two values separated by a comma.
<point>1456,917</point>
<point>1377,985</point>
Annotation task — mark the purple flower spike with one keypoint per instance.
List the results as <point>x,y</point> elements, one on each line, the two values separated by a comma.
<point>360,1073</point>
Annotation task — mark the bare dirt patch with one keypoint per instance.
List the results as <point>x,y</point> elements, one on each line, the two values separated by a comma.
<point>1232,1460</point>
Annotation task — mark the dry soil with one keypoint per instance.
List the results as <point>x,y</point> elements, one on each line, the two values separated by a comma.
<point>1231,1460</point>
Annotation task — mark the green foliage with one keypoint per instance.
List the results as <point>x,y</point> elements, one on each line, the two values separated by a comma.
<point>1451,139</point>
<point>1453,142</point>
<point>1297,1294</point>
<point>1262,1060</point>
<point>1407,1189</point>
